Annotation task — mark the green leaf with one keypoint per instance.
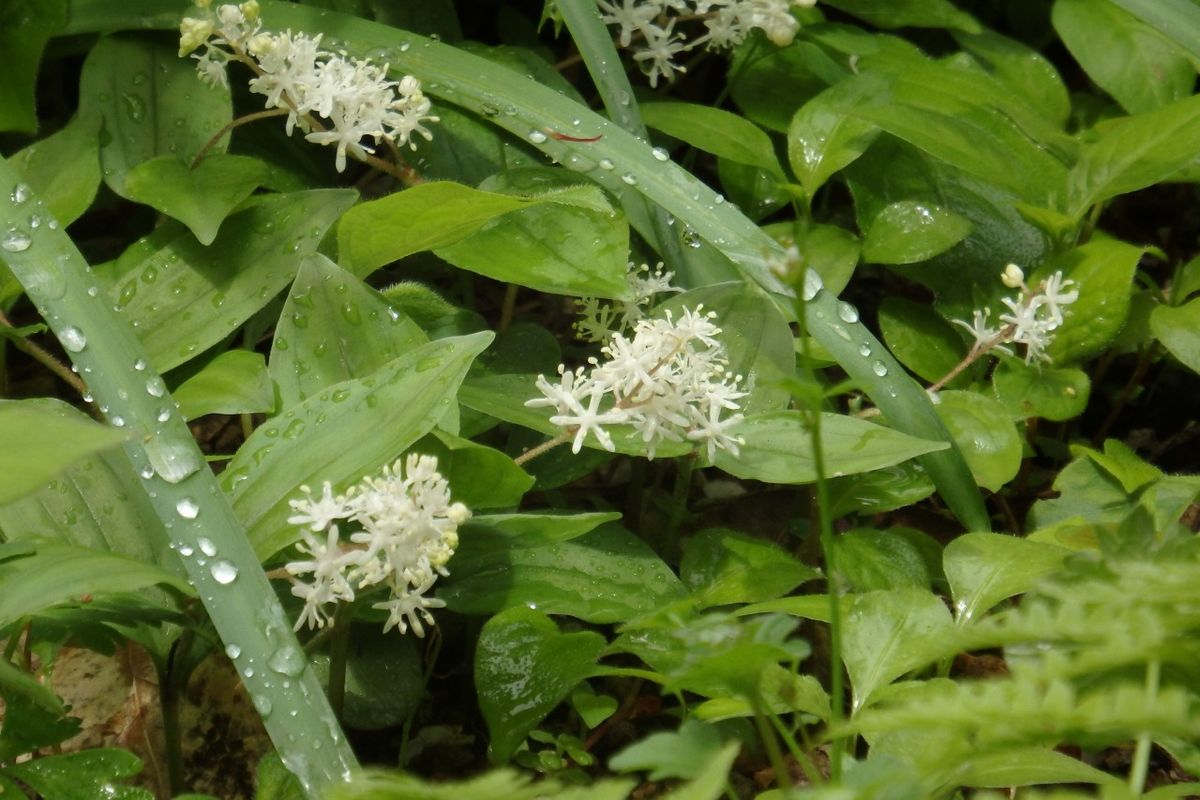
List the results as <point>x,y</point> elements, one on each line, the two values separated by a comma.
<point>152,101</point>
<point>920,338</point>
<point>683,753</point>
<point>384,679</point>
<point>1125,57</point>
<point>909,13</point>
<point>64,168</point>
<point>985,568</point>
<point>1103,270</point>
<point>891,633</point>
<point>84,775</point>
<point>711,781</point>
<point>434,215</point>
<point>184,297</point>
<point>721,567</point>
<point>778,447</point>
<point>1028,766</point>
<point>275,782</point>
<point>1120,461</point>
<point>41,439</point>
<point>821,139</point>
<point>342,433</point>
<point>56,574</point>
<point>1133,153</point>
<point>1178,20</point>
<point>830,250</point>
<point>478,475</point>
<point>29,726</point>
<point>15,682</point>
<point>592,708</point>
<point>334,328</point>
<point>1051,393</point>
<point>554,247</point>
<point>235,382</point>
<point>1022,69</point>
<point>608,575</point>
<point>909,231</point>
<point>199,197</point>
<point>871,560</point>
<point>985,435</point>
<point>1178,329</point>
<point>781,691</point>
<point>25,27</point>
<point>716,131</point>
<point>514,646</point>
<point>769,86</point>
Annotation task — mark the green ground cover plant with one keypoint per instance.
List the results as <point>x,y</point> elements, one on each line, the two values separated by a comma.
<point>599,399</point>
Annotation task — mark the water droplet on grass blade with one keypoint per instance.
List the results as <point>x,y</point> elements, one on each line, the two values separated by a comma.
<point>187,508</point>
<point>73,340</point>
<point>224,572</point>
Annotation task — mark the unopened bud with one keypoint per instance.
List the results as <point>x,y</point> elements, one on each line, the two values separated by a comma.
<point>1013,277</point>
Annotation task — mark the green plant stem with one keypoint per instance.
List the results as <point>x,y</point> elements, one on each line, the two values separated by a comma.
<point>339,652</point>
<point>801,758</point>
<point>173,684</point>
<point>237,123</point>
<point>1141,753</point>
<point>783,776</point>
<point>544,447</point>
<point>46,359</point>
<point>685,469</point>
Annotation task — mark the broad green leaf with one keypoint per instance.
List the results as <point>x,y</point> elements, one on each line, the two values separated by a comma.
<point>41,439</point>
<point>710,783</point>
<point>1178,329</point>
<point>16,682</point>
<point>985,434</point>
<point>1119,460</point>
<point>822,139</point>
<point>830,250</point>
<point>184,297</point>
<point>1133,153</point>
<point>757,192</point>
<point>524,667</point>
<point>781,691</point>
<point>778,447</point>
<point>384,679</point>
<point>1022,69</point>
<point>1103,271</point>
<point>346,431</point>
<point>715,131</point>
<point>199,197</point>
<point>909,13</point>
<point>273,781</point>
<point>25,27</point>
<point>1178,20</point>
<point>559,527</point>
<point>64,168</point>
<point>870,560</point>
<point>1029,766</point>
<point>27,728</point>
<point>57,573</point>
<point>334,328</point>
<point>880,490</point>
<point>434,215</point>
<point>891,633</point>
<point>607,575</point>
<point>908,232</point>
<point>235,382</point>
<point>1051,393</point>
<point>769,86</point>
<point>478,475</point>
<point>1086,492</point>
<point>721,567</point>
<point>1125,57</point>
<point>985,568</point>
<point>806,606</point>
<point>920,338</point>
<point>592,708</point>
<point>681,753</point>
<point>152,101</point>
<point>559,248</point>
<point>84,775</point>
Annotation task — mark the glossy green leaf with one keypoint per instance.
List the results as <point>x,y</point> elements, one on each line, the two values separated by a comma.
<point>1022,69</point>
<point>830,250</point>
<point>891,633</point>
<point>1178,20</point>
<point>871,560</point>
<point>822,139</point>
<point>478,475</point>
<point>607,575</point>
<point>152,101</point>
<point>880,490</point>
<point>1051,393</point>
<point>908,232</point>
<point>200,197</point>
<point>1103,270</point>
<point>184,297</point>
<point>64,168</point>
<point>778,447</point>
<point>346,431</point>
<point>985,568</point>
<point>25,27</point>
<point>772,83</point>
<point>235,382</point>
<point>41,439</point>
<point>721,567</point>
<point>334,328</point>
<point>1134,153</point>
<point>909,13</point>
<point>559,527</point>
<point>1178,329</point>
<point>514,646</point>
<point>715,131</point>
<point>84,775</point>
<point>985,434</point>
<point>57,573</point>
<point>433,215</point>
<point>553,247</point>
<point>384,679</point>
<point>920,338</point>
<point>681,753</point>
<point>1125,57</point>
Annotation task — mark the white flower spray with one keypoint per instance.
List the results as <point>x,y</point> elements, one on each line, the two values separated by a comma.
<point>403,530</point>
<point>359,106</point>
<point>1032,318</point>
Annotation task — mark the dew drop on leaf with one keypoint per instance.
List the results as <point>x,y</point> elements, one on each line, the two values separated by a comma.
<point>73,340</point>
<point>187,508</point>
<point>16,241</point>
<point>224,572</point>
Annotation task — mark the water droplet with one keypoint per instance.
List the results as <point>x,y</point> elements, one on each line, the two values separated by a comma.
<point>186,550</point>
<point>812,285</point>
<point>155,387</point>
<point>187,508</point>
<point>163,415</point>
<point>864,350</point>
<point>206,546</point>
<point>73,340</point>
<point>224,572</point>
<point>20,194</point>
<point>140,365</point>
<point>16,241</point>
<point>146,472</point>
<point>134,106</point>
<point>117,421</point>
<point>537,137</point>
<point>294,429</point>
<point>629,178</point>
<point>660,154</point>
<point>847,312</point>
<point>691,238</point>
<point>719,199</point>
<point>351,313</point>
<point>879,368</point>
<point>232,650</point>
<point>606,163</point>
<point>287,660</point>
<point>262,704</point>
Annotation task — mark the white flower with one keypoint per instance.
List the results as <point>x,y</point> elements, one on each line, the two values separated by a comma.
<point>329,584</point>
<point>655,57</point>
<point>1032,316</point>
<point>319,514</point>
<point>407,608</point>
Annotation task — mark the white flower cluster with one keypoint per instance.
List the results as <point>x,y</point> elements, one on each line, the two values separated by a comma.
<point>727,22</point>
<point>669,381</point>
<point>601,318</point>
<point>406,531</point>
<point>354,97</point>
<point>1032,318</point>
